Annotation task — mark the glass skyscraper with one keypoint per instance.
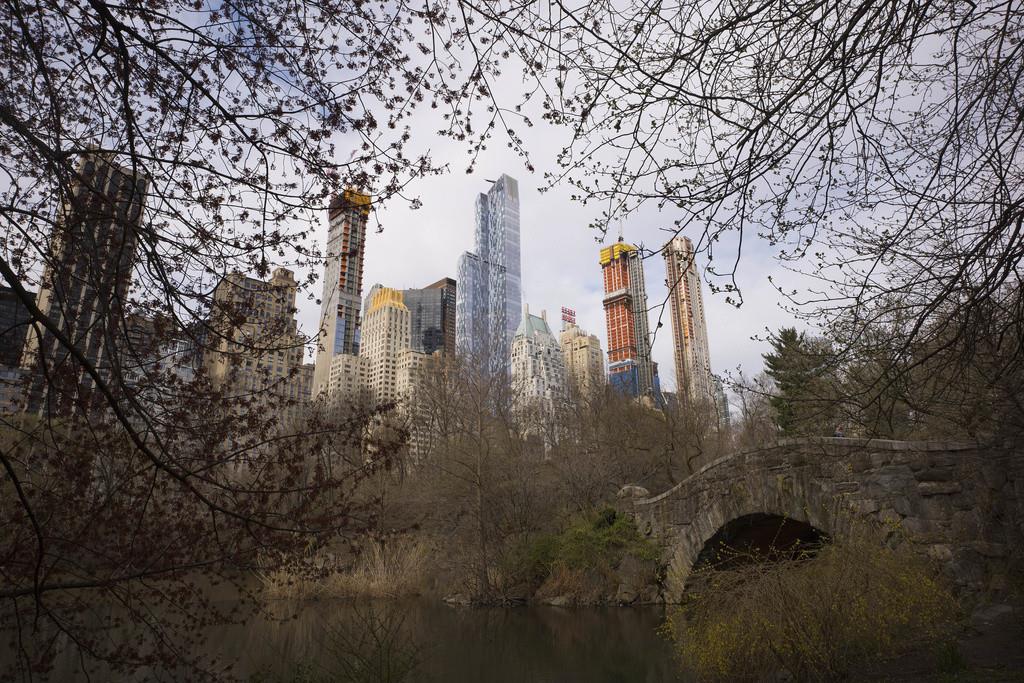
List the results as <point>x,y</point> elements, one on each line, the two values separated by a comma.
<point>489,297</point>
<point>432,316</point>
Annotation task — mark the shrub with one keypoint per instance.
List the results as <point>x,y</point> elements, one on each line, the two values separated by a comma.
<point>854,604</point>
<point>591,542</point>
<point>387,568</point>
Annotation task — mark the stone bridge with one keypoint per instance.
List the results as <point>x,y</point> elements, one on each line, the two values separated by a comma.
<point>962,504</point>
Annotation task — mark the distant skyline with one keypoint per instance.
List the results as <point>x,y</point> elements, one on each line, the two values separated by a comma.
<point>559,252</point>
<point>559,263</point>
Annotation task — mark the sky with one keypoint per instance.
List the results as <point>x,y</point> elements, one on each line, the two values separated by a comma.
<point>559,254</point>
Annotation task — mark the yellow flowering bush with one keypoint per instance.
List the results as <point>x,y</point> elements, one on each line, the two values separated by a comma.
<point>854,603</point>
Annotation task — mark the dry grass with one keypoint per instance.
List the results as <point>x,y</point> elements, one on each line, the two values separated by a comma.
<point>297,579</point>
<point>565,581</point>
<point>384,570</point>
<point>856,604</point>
<point>387,568</point>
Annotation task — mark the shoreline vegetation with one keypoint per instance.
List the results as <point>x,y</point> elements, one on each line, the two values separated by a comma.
<point>595,559</point>
<point>865,607</point>
<point>848,607</point>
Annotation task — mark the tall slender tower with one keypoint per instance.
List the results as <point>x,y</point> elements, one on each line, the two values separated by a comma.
<point>689,331</point>
<point>630,369</point>
<point>343,282</point>
<point>85,284</point>
<point>489,297</point>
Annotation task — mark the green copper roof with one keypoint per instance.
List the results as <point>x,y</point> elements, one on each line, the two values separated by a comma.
<point>531,325</point>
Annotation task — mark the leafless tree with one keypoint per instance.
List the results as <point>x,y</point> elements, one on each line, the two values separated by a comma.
<point>148,152</point>
<point>873,147</point>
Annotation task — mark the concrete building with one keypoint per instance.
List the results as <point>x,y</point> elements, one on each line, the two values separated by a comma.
<point>584,360</point>
<point>386,335</point>
<point>343,282</point>
<point>432,321</point>
<point>153,357</point>
<point>489,296</point>
<point>411,366</point>
<point>12,389</point>
<point>694,381</point>
<point>347,383</point>
<point>539,381</point>
<point>84,288</point>
<point>630,368</point>
<point>261,356</point>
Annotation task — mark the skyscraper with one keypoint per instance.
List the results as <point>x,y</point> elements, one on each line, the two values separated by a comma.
<point>387,336</point>
<point>471,337</point>
<point>432,316</point>
<point>489,296</point>
<point>14,322</point>
<point>689,331</point>
<point>539,382</point>
<point>343,282</point>
<point>630,369</point>
<point>584,360</point>
<point>85,284</point>
<point>261,356</point>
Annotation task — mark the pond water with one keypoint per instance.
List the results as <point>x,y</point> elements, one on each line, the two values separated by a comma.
<point>435,642</point>
<point>424,640</point>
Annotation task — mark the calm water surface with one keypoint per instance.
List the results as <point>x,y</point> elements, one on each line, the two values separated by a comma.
<point>524,644</point>
<point>430,642</point>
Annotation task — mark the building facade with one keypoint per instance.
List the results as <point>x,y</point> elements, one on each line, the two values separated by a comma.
<point>411,366</point>
<point>721,403</point>
<point>347,383</point>
<point>386,335</point>
<point>14,323</point>
<point>432,316</point>
<point>154,355</point>
<point>256,350</point>
<point>539,380</point>
<point>471,336</point>
<point>489,296</point>
<point>343,282</point>
<point>584,360</point>
<point>630,369</point>
<point>694,381</point>
<point>83,291</point>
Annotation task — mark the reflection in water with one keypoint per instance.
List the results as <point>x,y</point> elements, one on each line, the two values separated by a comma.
<point>522,645</point>
<point>343,641</point>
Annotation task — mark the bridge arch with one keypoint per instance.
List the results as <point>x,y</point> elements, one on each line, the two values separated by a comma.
<point>759,537</point>
<point>956,501</point>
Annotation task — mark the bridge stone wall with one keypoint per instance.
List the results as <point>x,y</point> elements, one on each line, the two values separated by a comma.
<point>962,504</point>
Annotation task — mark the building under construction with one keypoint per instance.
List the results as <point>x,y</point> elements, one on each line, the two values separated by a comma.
<point>630,369</point>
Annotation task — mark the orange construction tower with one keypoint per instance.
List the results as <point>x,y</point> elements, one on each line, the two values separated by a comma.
<point>625,306</point>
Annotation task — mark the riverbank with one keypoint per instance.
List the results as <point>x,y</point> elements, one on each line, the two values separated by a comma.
<point>593,560</point>
<point>988,648</point>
